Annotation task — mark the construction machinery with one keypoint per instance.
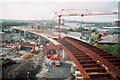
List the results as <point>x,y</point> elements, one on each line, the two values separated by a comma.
<point>85,12</point>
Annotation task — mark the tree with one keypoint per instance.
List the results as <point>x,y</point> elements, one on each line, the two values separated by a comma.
<point>95,35</point>
<point>93,30</point>
<point>70,30</point>
<point>6,23</point>
<point>81,29</point>
<point>8,31</point>
<point>100,35</point>
<point>2,30</point>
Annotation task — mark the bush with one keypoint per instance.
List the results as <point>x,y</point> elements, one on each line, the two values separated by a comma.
<point>108,48</point>
<point>113,49</point>
<point>116,50</point>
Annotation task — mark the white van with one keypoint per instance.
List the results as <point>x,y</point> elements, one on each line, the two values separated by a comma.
<point>57,63</point>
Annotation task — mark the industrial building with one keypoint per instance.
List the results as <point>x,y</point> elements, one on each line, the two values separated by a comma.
<point>4,37</point>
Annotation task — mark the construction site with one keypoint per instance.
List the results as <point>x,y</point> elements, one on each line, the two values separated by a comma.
<point>40,52</point>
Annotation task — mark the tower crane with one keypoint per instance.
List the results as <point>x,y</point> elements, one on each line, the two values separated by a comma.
<point>61,13</point>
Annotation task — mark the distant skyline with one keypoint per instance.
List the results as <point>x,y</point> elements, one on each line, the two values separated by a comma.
<point>45,9</point>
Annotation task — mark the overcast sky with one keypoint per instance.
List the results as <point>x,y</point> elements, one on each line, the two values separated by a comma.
<point>45,9</point>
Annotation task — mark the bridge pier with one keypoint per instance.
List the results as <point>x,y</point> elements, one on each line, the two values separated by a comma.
<point>25,34</point>
<point>28,34</point>
<point>20,34</point>
<point>63,54</point>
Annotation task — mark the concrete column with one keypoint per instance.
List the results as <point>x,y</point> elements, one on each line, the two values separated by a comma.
<point>28,35</point>
<point>25,34</point>
<point>39,39</point>
<point>20,34</point>
<point>64,54</point>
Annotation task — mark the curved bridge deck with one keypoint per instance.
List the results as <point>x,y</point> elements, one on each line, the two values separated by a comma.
<point>91,61</point>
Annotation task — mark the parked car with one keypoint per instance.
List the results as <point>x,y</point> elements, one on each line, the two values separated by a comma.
<point>57,63</point>
<point>49,55</point>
